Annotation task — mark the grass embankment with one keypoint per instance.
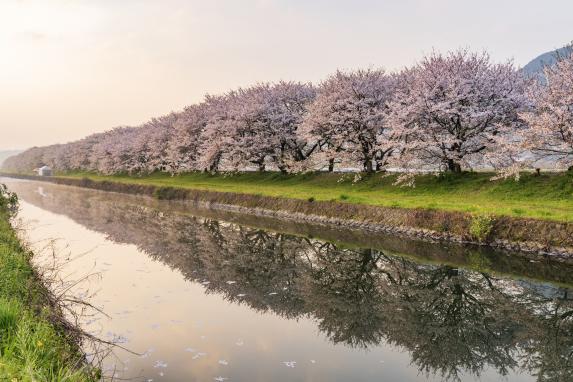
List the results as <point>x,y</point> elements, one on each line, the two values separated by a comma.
<point>32,346</point>
<point>548,196</point>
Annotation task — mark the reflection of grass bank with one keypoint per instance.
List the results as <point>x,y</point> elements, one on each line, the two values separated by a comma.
<point>32,346</point>
<point>464,208</point>
<point>547,197</point>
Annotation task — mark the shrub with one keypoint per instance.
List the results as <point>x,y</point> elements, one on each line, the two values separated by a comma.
<point>8,200</point>
<point>311,199</point>
<point>344,197</point>
<point>481,227</point>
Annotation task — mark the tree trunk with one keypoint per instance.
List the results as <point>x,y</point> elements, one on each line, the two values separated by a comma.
<point>281,164</point>
<point>331,165</point>
<point>368,168</point>
<point>380,167</point>
<point>215,163</point>
<point>454,166</point>
<point>570,169</point>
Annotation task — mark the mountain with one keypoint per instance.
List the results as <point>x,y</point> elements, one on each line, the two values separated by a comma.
<point>7,154</point>
<point>535,66</point>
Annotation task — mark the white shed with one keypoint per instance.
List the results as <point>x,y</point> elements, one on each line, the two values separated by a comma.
<point>45,171</point>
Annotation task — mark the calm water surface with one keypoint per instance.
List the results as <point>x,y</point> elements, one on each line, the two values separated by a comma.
<point>213,296</point>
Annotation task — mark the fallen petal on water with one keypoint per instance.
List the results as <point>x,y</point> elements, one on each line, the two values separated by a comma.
<point>199,355</point>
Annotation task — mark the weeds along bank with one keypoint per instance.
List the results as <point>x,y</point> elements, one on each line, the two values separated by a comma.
<point>299,199</point>
<point>35,345</point>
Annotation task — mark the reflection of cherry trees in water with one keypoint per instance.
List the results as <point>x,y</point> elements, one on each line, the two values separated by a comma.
<point>549,347</point>
<point>449,319</point>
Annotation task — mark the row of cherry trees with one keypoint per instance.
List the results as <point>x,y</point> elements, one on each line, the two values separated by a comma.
<point>448,112</point>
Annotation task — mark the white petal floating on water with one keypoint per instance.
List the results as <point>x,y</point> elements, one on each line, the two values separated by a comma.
<point>220,379</point>
<point>239,343</point>
<point>231,282</point>
<point>291,364</point>
<point>147,353</point>
<point>312,361</point>
<point>160,364</point>
<point>223,362</point>
<point>199,355</point>
<point>241,295</point>
<point>273,293</point>
<point>161,374</point>
<point>190,350</point>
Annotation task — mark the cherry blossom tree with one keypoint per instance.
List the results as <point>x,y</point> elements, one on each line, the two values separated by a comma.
<point>80,152</point>
<point>153,144</point>
<point>348,118</point>
<point>550,132</point>
<point>256,126</point>
<point>450,111</point>
<point>26,161</point>
<point>216,137</point>
<point>110,152</point>
<point>183,145</point>
<point>286,105</point>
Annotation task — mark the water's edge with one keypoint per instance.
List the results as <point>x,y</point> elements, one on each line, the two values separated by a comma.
<point>536,239</point>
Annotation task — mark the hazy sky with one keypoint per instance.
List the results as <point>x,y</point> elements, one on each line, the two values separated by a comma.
<point>71,68</point>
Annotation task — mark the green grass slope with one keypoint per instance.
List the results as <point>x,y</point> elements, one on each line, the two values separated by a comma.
<point>548,196</point>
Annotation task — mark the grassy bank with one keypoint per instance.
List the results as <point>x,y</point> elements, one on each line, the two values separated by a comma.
<point>32,346</point>
<point>547,197</point>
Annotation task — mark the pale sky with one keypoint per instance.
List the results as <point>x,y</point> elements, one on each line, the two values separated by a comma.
<point>69,68</point>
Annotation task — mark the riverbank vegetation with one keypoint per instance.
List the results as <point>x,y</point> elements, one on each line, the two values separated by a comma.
<point>448,113</point>
<point>547,196</point>
<point>33,346</point>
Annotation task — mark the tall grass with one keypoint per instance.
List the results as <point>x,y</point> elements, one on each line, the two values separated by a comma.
<point>32,346</point>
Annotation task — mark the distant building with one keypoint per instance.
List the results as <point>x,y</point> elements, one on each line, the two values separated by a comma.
<point>45,171</point>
